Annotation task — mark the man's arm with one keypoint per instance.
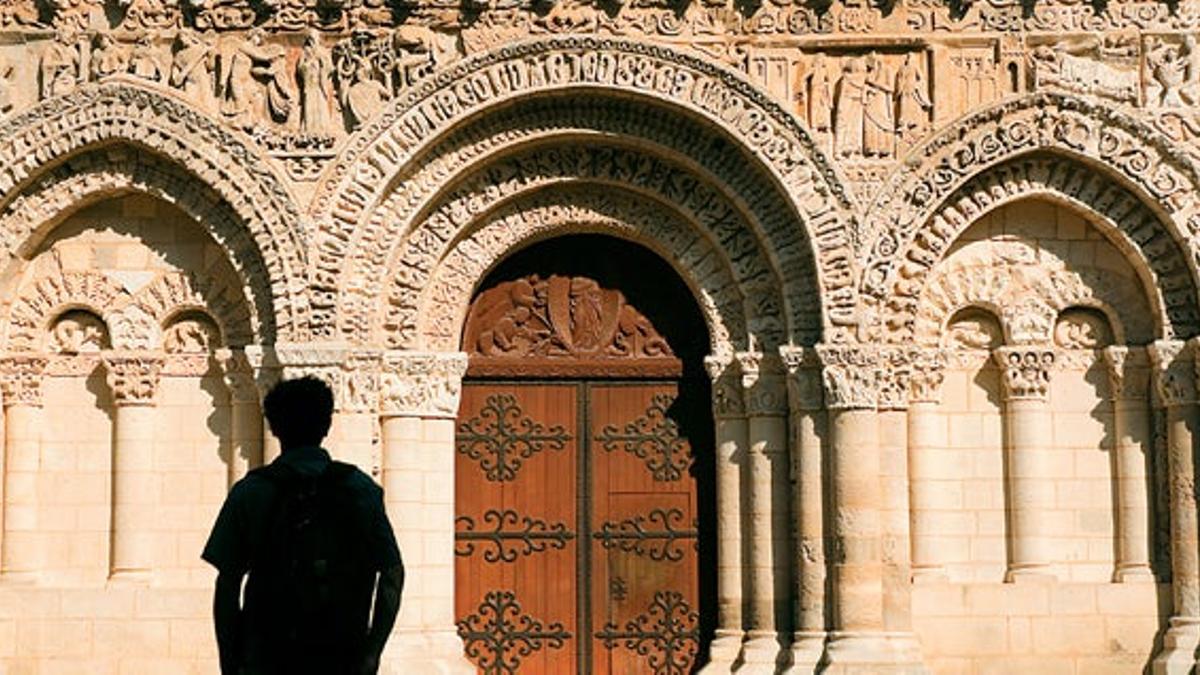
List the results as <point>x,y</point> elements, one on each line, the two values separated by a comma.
<point>227,614</point>
<point>387,605</point>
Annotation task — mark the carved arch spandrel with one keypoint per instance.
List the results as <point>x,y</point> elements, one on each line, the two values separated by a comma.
<point>796,173</point>
<point>1099,139</point>
<point>47,297</point>
<point>177,293</point>
<point>205,153</point>
<point>437,314</point>
<point>1128,223</point>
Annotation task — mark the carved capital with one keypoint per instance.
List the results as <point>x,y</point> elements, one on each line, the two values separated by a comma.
<point>21,379</point>
<point>803,377</point>
<point>133,377</point>
<point>1128,370</point>
<point>895,377</point>
<point>238,373</point>
<point>726,387</point>
<point>421,384</point>
<point>358,383</point>
<point>763,385</point>
<point>851,376</point>
<point>1174,372</point>
<point>1025,371</point>
<point>928,373</point>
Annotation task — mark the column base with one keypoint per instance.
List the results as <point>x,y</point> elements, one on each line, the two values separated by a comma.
<point>723,653</point>
<point>1034,574</point>
<point>436,652</point>
<point>1134,574</point>
<point>1178,655</point>
<point>763,653</point>
<point>808,647</point>
<point>854,653</point>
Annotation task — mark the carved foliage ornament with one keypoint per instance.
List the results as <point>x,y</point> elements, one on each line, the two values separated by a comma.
<point>21,379</point>
<point>133,378</point>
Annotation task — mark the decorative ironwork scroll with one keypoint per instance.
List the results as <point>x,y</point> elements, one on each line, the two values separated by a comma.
<point>654,437</point>
<point>511,535</point>
<point>656,535</point>
<point>499,635</point>
<point>667,634</point>
<point>500,437</point>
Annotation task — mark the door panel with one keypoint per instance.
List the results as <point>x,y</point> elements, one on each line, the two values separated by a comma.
<point>516,542</point>
<point>644,532</point>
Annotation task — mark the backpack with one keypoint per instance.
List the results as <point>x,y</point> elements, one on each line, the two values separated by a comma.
<point>311,577</point>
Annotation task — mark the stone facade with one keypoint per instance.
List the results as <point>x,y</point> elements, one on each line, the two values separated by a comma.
<point>947,252</point>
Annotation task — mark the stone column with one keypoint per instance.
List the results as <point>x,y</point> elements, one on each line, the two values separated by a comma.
<point>133,379</point>
<point>858,640</point>
<point>1128,380</point>
<point>419,397</point>
<point>267,372</point>
<point>1025,374</point>
<point>926,433</point>
<point>245,418</point>
<point>805,401</point>
<point>898,367</point>
<point>20,553</point>
<point>768,620</point>
<point>729,415</point>
<point>1175,384</point>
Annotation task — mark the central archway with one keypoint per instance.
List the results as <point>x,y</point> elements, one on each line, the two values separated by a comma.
<point>584,465</point>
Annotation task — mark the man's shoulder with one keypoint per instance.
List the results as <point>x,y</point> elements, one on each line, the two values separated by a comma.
<point>359,481</point>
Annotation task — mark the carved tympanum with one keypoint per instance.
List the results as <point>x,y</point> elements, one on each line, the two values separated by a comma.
<point>538,320</point>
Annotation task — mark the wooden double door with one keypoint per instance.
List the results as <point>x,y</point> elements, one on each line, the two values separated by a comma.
<point>578,527</point>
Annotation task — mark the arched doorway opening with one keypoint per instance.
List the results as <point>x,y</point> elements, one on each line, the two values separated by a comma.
<point>584,509</point>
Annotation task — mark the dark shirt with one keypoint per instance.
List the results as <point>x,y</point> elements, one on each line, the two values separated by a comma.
<point>241,528</point>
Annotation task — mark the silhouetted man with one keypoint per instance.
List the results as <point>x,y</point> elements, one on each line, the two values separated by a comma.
<point>313,536</point>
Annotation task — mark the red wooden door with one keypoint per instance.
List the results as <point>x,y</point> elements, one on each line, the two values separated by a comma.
<point>577,510</point>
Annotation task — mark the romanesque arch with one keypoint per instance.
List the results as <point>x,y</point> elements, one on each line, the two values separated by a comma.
<point>178,154</point>
<point>381,182</point>
<point>1085,154</point>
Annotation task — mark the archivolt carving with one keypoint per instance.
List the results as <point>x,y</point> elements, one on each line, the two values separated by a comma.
<point>176,293</point>
<point>905,231</point>
<point>378,155</point>
<point>215,156</point>
<point>91,177</point>
<point>46,299</point>
<point>1135,229</point>
<point>436,315</point>
<point>664,182</point>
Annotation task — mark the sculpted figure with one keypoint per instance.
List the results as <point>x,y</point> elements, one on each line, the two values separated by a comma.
<point>878,111</point>
<point>817,87</point>
<point>269,67</point>
<point>912,99</point>
<point>314,71</point>
<point>191,68</point>
<point>253,83</point>
<point>1169,68</point>
<point>364,97</point>
<point>145,62</point>
<point>60,66</point>
<point>108,57</point>
<point>848,124</point>
<point>413,59</point>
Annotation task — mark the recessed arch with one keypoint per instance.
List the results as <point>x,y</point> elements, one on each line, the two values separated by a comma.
<point>1162,266</point>
<point>438,312</point>
<point>172,150</point>
<point>417,129</point>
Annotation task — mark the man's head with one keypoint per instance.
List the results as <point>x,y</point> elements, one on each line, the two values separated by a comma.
<point>299,411</point>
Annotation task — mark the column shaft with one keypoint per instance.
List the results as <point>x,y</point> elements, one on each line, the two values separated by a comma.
<point>1028,438</point>
<point>134,492</point>
<point>857,571</point>
<point>1131,422</point>
<point>245,438</point>
<point>926,434</point>
<point>731,447</point>
<point>21,557</point>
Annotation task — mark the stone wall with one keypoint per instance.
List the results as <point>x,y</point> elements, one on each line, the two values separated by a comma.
<point>953,244</point>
